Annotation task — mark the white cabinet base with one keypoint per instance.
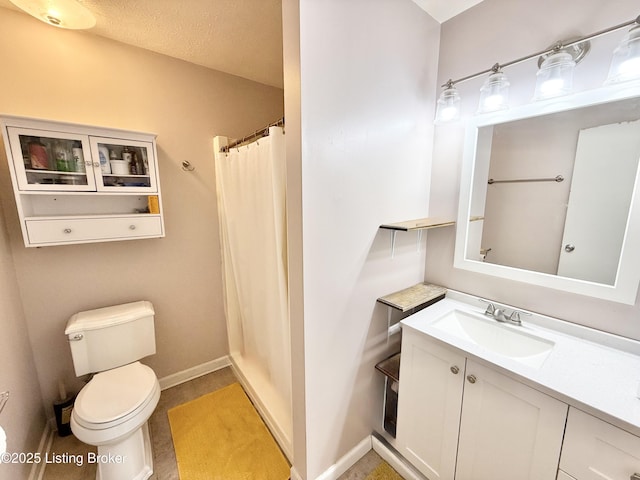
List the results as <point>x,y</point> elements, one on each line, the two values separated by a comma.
<point>508,430</point>
<point>596,450</point>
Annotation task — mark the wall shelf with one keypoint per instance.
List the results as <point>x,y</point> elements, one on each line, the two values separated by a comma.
<point>420,295</point>
<point>414,225</point>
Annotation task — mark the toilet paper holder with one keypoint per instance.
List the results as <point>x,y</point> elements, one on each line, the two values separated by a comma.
<point>4,396</point>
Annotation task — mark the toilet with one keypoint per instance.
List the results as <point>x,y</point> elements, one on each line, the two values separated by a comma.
<point>112,409</point>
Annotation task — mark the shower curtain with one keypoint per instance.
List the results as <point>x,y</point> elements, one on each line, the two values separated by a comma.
<point>251,208</point>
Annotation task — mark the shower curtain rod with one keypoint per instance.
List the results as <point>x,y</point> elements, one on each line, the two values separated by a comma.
<point>263,132</point>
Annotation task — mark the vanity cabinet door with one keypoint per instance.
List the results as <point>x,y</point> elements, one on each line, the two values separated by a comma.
<point>508,430</point>
<point>596,450</point>
<point>429,401</point>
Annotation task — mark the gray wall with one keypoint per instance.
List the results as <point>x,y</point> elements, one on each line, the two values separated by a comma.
<point>23,417</point>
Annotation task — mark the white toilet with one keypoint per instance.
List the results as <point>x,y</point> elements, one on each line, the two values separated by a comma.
<point>112,410</point>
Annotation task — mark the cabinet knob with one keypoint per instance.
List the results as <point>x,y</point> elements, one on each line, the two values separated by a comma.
<point>132,227</point>
<point>471,378</point>
<point>87,163</point>
<point>635,476</point>
<point>454,370</point>
<point>96,164</point>
<point>67,230</point>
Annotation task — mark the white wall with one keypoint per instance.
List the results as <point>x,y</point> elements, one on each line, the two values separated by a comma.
<point>82,78</point>
<point>495,31</point>
<point>365,96</point>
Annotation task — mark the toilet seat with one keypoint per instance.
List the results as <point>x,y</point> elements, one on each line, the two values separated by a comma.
<point>116,396</point>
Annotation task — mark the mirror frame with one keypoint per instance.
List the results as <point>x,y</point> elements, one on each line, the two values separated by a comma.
<point>625,288</point>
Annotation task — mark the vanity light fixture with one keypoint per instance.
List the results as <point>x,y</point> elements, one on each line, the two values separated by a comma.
<point>494,94</point>
<point>59,13</point>
<point>555,76</point>
<point>625,64</point>
<point>448,109</point>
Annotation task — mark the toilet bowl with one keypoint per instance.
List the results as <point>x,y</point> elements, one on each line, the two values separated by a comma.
<point>113,409</point>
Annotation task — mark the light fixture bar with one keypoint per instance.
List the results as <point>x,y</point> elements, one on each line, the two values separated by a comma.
<point>556,47</point>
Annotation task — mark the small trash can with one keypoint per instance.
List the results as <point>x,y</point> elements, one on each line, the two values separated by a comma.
<point>63,409</point>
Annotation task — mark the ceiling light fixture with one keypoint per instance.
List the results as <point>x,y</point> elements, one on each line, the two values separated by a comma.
<point>59,13</point>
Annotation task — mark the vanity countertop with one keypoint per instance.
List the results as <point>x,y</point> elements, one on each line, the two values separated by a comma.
<point>593,371</point>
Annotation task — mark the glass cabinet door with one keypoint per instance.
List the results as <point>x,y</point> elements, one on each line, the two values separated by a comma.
<point>51,161</point>
<point>125,165</point>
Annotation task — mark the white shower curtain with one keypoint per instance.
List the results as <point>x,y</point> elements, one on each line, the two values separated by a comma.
<point>251,206</point>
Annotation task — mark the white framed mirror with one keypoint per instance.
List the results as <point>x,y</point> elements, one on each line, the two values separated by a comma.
<point>548,194</point>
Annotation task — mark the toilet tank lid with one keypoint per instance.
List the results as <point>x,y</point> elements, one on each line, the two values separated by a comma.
<point>108,316</point>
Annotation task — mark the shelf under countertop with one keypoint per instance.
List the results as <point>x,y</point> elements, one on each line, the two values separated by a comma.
<point>390,367</point>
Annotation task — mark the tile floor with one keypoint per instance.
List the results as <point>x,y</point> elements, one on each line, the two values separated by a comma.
<point>163,453</point>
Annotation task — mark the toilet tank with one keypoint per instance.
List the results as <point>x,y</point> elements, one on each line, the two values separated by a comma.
<point>111,337</point>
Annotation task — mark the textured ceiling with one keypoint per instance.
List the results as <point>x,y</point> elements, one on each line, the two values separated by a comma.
<point>240,37</point>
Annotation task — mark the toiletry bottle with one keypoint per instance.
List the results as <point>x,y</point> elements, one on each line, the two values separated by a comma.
<point>63,158</point>
<point>78,158</point>
<point>103,152</point>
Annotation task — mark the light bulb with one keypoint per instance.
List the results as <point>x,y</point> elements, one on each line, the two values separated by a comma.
<point>448,109</point>
<point>555,76</point>
<point>625,63</point>
<point>494,94</point>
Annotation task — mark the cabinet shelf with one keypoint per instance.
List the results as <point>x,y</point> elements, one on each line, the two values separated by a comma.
<point>420,295</point>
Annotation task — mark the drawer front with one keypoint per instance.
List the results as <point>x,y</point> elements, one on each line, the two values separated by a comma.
<point>596,450</point>
<point>77,230</point>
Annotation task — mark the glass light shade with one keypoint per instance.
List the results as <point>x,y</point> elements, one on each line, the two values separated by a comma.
<point>59,13</point>
<point>555,76</point>
<point>494,94</point>
<point>625,64</point>
<point>448,109</point>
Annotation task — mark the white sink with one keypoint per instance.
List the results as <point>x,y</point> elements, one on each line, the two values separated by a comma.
<point>507,340</point>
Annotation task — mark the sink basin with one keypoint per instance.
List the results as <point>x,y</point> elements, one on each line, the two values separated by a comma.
<point>499,338</point>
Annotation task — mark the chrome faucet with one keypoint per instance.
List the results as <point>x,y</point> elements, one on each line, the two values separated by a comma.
<point>500,314</point>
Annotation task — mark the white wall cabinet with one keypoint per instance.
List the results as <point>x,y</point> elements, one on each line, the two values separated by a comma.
<point>79,184</point>
<point>460,420</point>
<point>596,450</point>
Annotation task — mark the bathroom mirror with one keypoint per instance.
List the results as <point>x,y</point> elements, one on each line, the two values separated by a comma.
<point>548,194</point>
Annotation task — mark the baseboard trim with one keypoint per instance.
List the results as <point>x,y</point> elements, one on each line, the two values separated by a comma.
<point>277,431</point>
<point>294,474</point>
<point>347,461</point>
<point>44,447</point>
<point>392,458</point>
<point>194,372</point>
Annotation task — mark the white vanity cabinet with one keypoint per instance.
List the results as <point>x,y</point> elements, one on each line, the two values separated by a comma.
<point>596,450</point>
<point>458,419</point>
<point>80,184</point>
<point>429,404</point>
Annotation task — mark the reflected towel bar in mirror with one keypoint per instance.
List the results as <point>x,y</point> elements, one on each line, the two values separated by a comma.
<point>558,178</point>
